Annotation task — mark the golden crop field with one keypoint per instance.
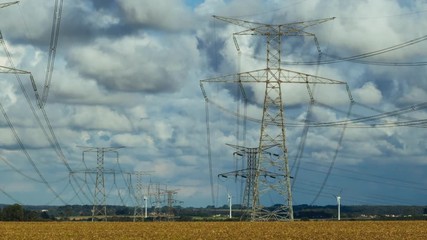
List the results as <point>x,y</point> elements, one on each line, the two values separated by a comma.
<point>215,230</point>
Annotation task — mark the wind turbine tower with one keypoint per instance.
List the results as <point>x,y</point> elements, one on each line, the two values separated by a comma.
<point>339,207</point>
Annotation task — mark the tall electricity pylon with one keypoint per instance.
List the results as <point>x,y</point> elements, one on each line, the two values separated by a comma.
<point>99,209</point>
<point>139,212</point>
<point>170,215</point>
<point>272,132</point>
<point>156,192</point>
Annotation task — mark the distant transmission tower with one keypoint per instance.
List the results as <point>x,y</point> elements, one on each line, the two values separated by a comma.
<point>272,132</point>
<point>140,211</point>
<point>99,209</point>
<point>248,173</point>
<point>170,215</point>
<point>158,193</point>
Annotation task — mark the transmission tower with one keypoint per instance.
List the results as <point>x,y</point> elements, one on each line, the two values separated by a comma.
<point>12,70</point>
<point>170,215</point>
<point>157,193</point>
<point>99,210</point>
<point>140,211</point>
<point>272,132</point>
<point>248,173</point>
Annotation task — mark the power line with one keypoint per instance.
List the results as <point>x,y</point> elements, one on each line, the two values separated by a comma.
<point>19,171</point>
<point>334,158</point>
<point>56,23</point>
<point>53,142</point>
<point>355,58</point>
<point>208,140</point>
<point>27,155</point>
<point>393,184</point>
<point>9,196</point>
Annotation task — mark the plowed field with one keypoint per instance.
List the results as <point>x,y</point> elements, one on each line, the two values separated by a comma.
<point>215,230</point>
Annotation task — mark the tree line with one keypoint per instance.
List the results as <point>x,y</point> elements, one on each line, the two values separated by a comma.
<point>17,213</point>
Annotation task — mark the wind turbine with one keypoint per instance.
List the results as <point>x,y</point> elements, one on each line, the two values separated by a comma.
<point>229,204</point>
<point>338,197</point>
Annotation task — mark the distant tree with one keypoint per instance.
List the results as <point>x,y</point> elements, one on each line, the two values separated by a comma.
<point>30,215</point>
<point>313,215</point>
<point>122,211</point>
<point>425,211</point>
<point>236,206</point>
<point>13,212</point>
<point>44,215</point>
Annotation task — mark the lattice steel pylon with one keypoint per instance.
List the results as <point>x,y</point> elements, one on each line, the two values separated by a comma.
<point>99,209</point>
<point>170,215</point>
<point>248,173</point>
<point>272,132</point>
<point>140,199</point>
<point>156,194</point>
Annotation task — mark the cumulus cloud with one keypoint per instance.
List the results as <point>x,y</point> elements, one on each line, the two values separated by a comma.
<point>367,94</point>
<point>139,63</point>
<point>7,95</point>
<point>167,15</point>
<point>99,118</point>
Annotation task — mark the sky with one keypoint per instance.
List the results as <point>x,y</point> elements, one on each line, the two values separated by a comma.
<point>127,77</point>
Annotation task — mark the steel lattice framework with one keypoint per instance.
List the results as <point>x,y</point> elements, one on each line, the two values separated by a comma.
<point>248,173</point>
<point>141,200</point>
<point>170,215</point>
<point>99,197</point>
<point>272,132</point>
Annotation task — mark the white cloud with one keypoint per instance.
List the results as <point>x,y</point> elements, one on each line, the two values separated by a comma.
<point>167,14</point>
<point>137,63</point>
<point>133,140</point>
<point>97,117</point>
<point>367,94</point>
<point>7,94</point>
<point>414,95</point>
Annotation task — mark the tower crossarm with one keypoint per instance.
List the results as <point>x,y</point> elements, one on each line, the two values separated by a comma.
<point>244,173</point>
<point>103,149</point>
<point>94,171</point>
<point>244,149</point>
<point>4,69</point>
<point>259,76</point>
<point>287,29</point>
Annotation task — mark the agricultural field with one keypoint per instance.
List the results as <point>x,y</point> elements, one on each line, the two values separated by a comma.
<point>215,230</point>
